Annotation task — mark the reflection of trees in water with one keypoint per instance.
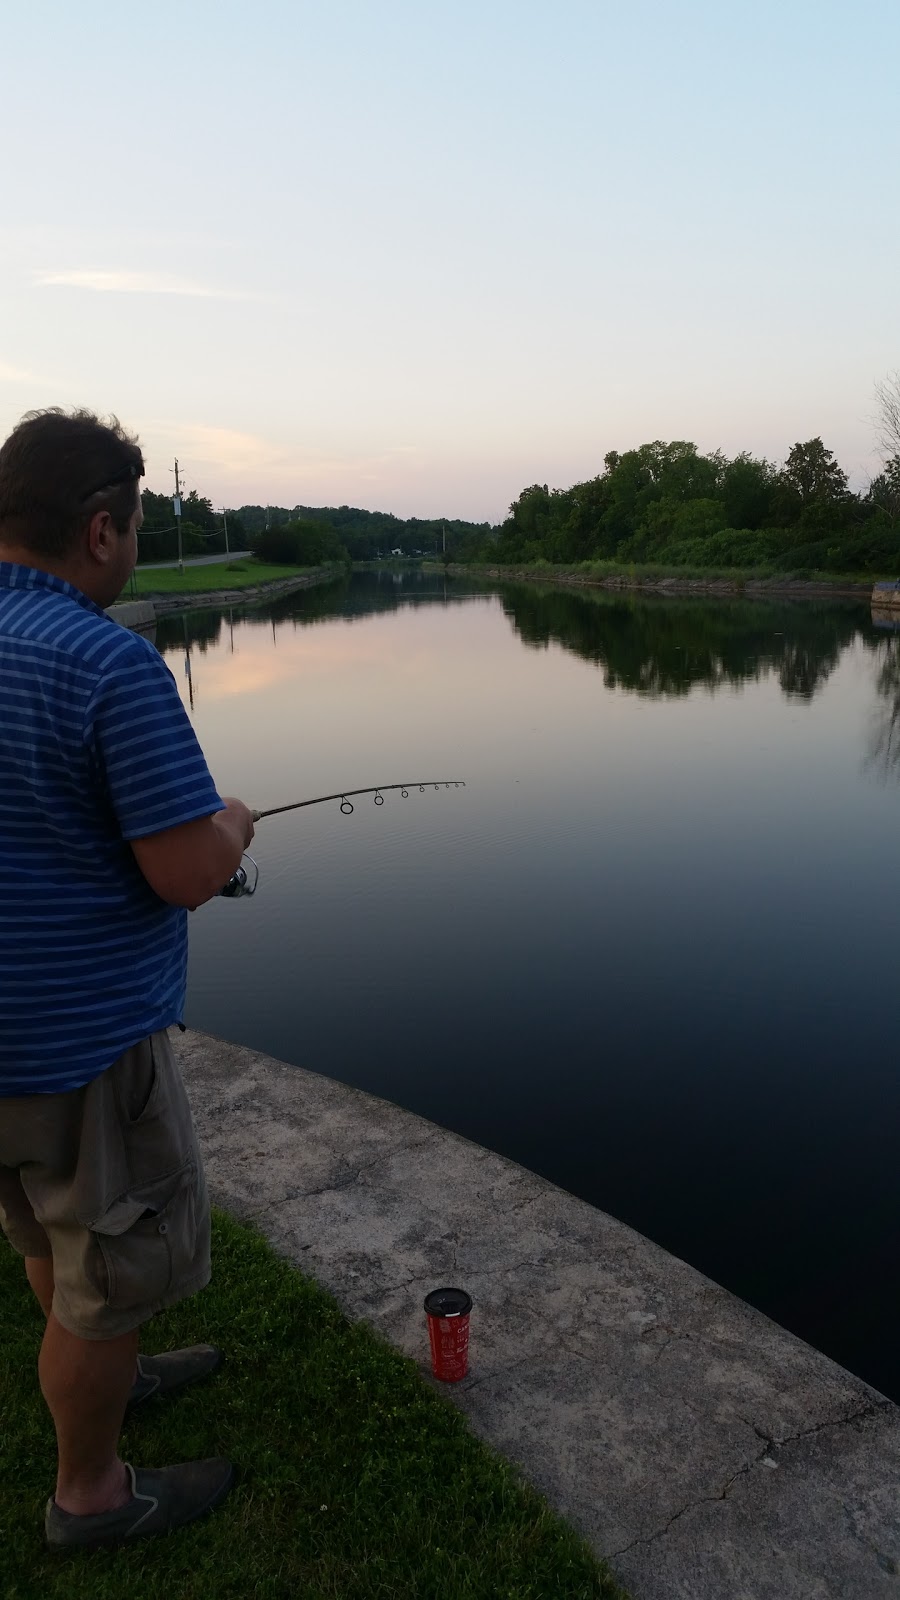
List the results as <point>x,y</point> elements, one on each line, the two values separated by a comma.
<point>199,629</point>
<point>650,645</point>
<point>664,646</point>
<point>349,599</point>
<point>884,747</point>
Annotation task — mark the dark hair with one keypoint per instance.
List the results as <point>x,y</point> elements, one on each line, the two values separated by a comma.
<point>57,470</point>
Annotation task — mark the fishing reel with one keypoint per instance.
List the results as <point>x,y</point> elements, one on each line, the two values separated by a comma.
<point>241,882</point>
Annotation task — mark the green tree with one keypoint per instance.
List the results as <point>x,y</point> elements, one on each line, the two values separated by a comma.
<point>588,503</point>
<point>301,543</point>
<point>884,491</point>
<point>814,494</point>
<point>812,473</point>
<point>749,488</point>
<point>655,471</point>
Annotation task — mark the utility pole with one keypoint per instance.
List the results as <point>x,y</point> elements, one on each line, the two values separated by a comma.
<point>176,507</point>
<point>225,520</point>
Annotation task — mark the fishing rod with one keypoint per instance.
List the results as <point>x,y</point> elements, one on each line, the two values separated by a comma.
<point>240,883</point>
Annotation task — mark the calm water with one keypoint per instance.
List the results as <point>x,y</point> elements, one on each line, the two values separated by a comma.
<point>650,951</point>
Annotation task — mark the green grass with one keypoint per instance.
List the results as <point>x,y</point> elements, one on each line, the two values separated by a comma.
<point>653,571</point>
<point>356,1481</point>
<point>220,575</point>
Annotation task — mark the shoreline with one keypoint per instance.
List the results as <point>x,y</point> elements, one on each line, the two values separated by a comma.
<point>749,588</point>
<point>145,610</point>
<point>163,603</point>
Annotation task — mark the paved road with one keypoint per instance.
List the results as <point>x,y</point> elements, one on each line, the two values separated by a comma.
<point>194,561</point>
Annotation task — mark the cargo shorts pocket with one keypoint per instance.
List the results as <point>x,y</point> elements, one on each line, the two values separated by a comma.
<point>136,1133</point>
<point>154,1112</point>
<point>146,1242</point>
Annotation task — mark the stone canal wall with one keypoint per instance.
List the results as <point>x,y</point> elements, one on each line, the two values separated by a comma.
<point>133,613</point>
<point>705,1452</point>
<point>143,613</point>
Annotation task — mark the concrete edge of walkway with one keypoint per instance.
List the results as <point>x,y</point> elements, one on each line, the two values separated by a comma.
<point>144,613</point>
<point>133,613</point>
<point>706,1453</point>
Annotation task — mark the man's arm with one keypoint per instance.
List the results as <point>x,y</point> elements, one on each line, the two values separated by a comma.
<point>188,865</point>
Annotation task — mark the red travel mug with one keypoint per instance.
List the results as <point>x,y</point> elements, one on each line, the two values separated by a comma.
<point>447,1311</point>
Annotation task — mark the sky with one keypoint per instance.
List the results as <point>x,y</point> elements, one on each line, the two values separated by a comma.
<point>413,258</point>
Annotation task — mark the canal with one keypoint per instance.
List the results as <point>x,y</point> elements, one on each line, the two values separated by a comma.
<point>649,951</point>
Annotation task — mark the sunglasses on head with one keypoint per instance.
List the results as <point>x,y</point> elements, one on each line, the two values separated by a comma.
<point>128,474</point>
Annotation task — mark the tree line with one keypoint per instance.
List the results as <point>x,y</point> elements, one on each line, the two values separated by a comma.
<point>202,528</point>
<point>663,504</point>
<point>667,504</point>
<point>307,535</point>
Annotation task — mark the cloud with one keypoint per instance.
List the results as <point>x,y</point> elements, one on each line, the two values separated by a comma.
<point>104,282</point>
<point>244,467</point>
<point>230,449</point>
<point>10,374</point>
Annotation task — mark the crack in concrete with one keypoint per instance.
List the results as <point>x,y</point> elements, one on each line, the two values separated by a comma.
<point>675,1337</point>
<point>770,1443</point>
<point>513,1210</point>
<point>345,1180</point>
<point>515,1266</point>
<point>478,1272</point>
<point>501,1372</point>
<point>692,1505</point>
<point>394,1288</point>
<point>422,1277</point>
<point>571,1350</point>
<point>773,1442</point>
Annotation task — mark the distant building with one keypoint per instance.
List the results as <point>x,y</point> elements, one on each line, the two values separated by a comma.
<point>396,552</point>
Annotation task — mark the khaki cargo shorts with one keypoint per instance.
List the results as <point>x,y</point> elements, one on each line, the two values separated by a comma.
<point>108,1181</point>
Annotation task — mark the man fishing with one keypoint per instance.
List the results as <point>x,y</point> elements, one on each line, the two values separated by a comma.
<point>110,827</point>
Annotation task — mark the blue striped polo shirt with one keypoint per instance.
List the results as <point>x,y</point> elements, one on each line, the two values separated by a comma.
<point>95,749</point>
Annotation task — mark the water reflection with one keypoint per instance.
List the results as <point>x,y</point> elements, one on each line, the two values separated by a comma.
<point>637,953</point>
<point>664,646</point>
<point>884,757</point>
<point>349,598</point>
<point>649,645</point>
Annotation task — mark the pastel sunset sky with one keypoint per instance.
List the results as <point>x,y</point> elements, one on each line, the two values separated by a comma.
<point>414,257</point>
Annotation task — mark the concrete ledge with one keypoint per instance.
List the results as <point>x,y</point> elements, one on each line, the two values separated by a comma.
<point>271,589</point>
<point>133,613</point>
<point>747,588</point>
<point>705,1452</point>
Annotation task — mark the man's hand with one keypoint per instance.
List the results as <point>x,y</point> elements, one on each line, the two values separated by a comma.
<point>188,865</point>
<point>240,815</point>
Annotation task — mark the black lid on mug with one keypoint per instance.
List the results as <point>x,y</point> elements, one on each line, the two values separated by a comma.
<point>448,1303</point>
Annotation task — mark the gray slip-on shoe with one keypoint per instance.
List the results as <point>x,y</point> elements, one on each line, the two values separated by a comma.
<point>172,1370</point>
<point>161,1500</point>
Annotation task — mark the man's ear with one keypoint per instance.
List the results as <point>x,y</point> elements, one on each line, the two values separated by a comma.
<point>102,537</point>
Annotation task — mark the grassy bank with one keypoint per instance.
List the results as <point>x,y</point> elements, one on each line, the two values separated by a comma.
<point>612,574</point>
<point>356,1481</point>
<point>203,580</point>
